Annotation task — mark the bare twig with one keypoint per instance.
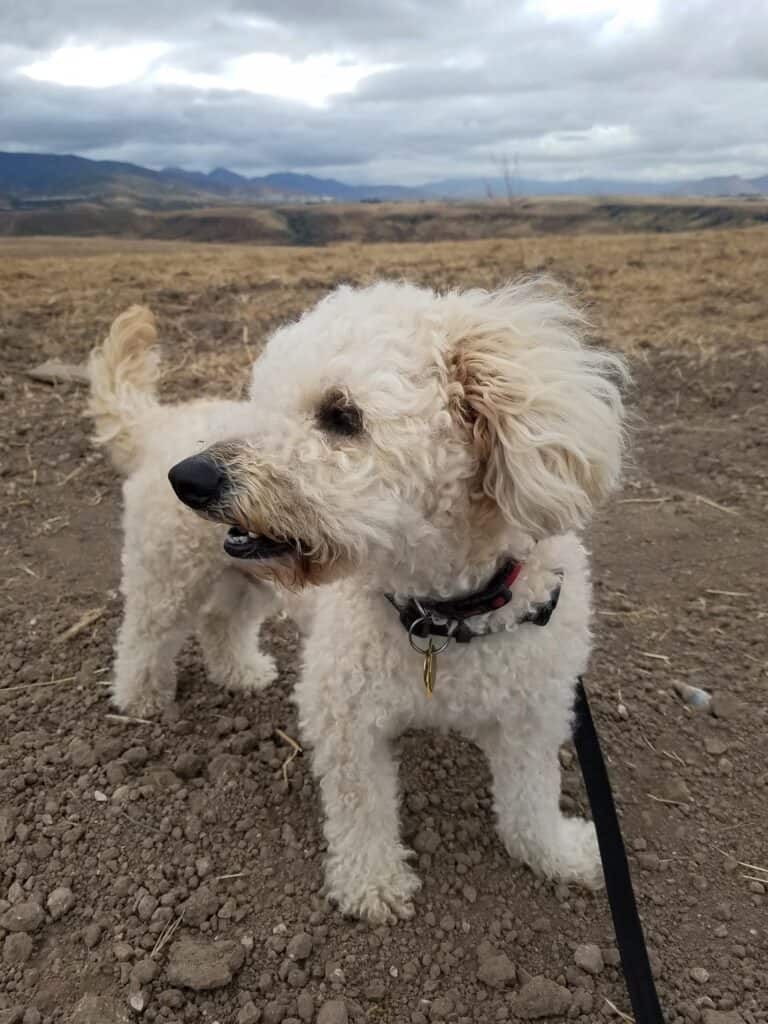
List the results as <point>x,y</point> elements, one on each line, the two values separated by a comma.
<point>643,501</point>
<point>657,657</point>
<point>165,936</point>
<point>713,504</point>
<point>86,619</point>
<point>618,1012</point>
<point>728,593</point>
<point>127,718</point>
<point>744,864</point>
<point>297,750</point>
<point>663,800</point>
<point>235,874</point>
<point>34,686</point>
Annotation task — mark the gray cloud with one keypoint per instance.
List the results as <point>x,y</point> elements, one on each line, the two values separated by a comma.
<point>684,96</point>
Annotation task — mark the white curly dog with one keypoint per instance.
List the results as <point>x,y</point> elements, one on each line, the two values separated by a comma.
<point>424,457</point>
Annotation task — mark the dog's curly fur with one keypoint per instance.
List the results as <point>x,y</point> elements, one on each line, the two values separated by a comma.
<point>411,442</point>
<point>176,578</point>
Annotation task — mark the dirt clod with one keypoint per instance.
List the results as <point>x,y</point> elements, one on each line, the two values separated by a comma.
<point>589,958</point>
<point>539,998</point>
<point>60,902</point>
<point>497,971</point>
<point>17,948</point>
<point>23,917</point>
<point>200,965</point>
<point>334,1011</point>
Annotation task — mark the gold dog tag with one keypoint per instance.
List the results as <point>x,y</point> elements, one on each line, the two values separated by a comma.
<point>430,668</point>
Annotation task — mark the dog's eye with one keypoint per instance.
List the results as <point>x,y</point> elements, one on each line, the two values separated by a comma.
<point>338,414</point>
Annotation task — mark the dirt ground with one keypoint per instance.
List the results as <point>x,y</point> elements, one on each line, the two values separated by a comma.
<point>113,833</point>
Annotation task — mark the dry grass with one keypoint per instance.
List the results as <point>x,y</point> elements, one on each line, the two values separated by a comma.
<point>217,303</point>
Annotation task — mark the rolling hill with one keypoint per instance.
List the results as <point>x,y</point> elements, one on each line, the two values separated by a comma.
<point>45,179</point>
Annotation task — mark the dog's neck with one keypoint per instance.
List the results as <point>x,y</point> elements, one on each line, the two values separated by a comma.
<point>469,615</point>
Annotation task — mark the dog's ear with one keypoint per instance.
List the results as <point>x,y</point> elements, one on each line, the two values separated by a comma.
<point>544,410</point>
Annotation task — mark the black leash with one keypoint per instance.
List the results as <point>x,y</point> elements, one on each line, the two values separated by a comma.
<point>618,882</point>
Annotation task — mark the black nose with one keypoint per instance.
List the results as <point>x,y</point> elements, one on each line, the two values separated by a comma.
<point>197,481</point>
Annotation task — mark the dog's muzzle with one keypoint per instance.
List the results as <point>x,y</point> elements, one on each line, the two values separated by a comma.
<point>197,481</point>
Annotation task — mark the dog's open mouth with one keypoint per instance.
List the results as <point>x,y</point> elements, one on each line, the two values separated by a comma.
<point>240,544</point>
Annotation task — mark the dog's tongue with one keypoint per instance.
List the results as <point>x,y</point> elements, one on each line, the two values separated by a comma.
<point>240,544</point>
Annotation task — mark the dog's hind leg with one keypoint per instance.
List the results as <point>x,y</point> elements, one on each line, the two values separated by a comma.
<point>523,756</point>
<point>228,630</point>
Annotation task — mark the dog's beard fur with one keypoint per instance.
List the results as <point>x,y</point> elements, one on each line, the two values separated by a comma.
<point>260,499</point>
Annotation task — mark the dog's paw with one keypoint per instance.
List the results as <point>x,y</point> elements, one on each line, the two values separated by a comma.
<point>145,705</point>
<point>254,670</point>
<point>578,857</point>
<point>383,899</point>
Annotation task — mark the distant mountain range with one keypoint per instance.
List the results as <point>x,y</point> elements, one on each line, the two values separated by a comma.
<point>28,179</point>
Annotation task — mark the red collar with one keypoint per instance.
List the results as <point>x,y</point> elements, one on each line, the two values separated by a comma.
<point>418,614</point>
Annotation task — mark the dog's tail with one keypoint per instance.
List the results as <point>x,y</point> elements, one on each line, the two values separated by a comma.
<point>123,372</point>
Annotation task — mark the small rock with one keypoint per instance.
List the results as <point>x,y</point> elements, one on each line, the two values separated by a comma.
<point>274,1012</point>
<point>136,756</point>
<point>540,998</point>
<point>146,907</point>
<point>375,990</point>
<point>60,902</point>
<point>81,754</point>
<point>334,1011</point>
<point>17,949</point>
<point>677,789</point>
<point>497,971</point>
<point>12,1016</point>
<point>249,1014</point>
<point>24,917</point>
<point>7,824</point>
<point>716,746</point>
<point>188,765</point>
<point>441,1008</point>
<point>225,766</point>
<point>299,947</point>
<point>203,867</point>
<point>123,952</point>
<point>99,1010</point>
<point>144,972</point>
<point>426,841</point>
<point>203,965</point>
<point>32,1016</point>
<point>724,705</point>
<point>138,998</point>
<point>695,697</point>
<point>589,958</point>
<point>700,975</point>
<point>306,1006</point>
<point>201,905</point>
<point>721,1017</point>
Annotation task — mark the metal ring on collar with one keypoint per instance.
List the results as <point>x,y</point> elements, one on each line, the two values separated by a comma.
<point>424,650</point>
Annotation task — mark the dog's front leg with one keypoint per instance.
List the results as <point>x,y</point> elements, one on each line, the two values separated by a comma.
<point>523,756</point>
<point>366,869</point>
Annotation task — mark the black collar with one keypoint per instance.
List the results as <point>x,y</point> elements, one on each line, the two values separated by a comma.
<point>418,615</point>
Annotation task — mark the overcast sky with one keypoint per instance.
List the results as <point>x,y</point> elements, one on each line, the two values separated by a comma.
<point>392,90</point>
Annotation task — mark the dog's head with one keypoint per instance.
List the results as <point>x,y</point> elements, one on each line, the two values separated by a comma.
<point>412,433</point>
